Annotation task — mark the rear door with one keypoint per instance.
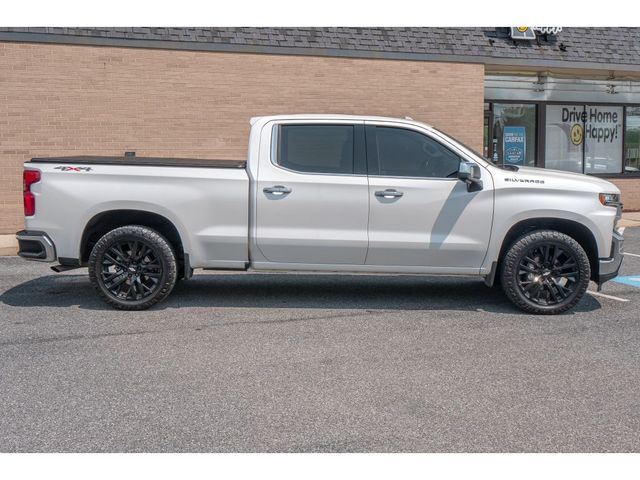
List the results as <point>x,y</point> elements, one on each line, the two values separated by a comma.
<point>420,213</point>
<point>312,196</point>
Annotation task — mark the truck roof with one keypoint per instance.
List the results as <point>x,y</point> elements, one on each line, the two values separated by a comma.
<point>142,161</point>
<point>327,116</point>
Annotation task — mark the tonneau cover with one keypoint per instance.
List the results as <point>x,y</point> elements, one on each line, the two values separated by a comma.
<point>143,161</point>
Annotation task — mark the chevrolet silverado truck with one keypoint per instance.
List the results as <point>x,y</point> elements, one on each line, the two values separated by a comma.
<point>324,193</point>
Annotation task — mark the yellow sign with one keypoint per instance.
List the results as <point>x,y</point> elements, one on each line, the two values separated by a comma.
<point>577,134</point>
<point>529,33</point>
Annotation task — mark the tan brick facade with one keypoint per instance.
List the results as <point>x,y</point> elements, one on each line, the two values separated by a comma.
<point>59,99</point>
<point>630,188</point>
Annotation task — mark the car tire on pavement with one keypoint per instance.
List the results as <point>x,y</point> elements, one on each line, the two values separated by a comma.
<point>545,272</point>
<point>132,267</point>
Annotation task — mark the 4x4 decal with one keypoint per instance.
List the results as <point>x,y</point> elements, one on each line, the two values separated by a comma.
<point>64,168</point>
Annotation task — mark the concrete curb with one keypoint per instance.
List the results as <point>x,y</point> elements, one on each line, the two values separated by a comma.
<point>8,245</point>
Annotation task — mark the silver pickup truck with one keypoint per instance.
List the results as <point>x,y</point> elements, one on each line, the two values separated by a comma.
<point>327,193</point>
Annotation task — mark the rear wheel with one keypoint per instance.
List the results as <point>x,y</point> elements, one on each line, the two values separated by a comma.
<point>132,267</point>
<point>545,272</point>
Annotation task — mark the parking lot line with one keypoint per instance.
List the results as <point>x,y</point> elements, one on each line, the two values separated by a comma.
<point>631,280</point>
<point>631,254</point>
<point>611,297</point>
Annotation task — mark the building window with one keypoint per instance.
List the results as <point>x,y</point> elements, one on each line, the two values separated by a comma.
<point>514,134</point>
<point>584,138</point>
<point>603,139</point>
<point>564,137</point>
<point>632,140</point>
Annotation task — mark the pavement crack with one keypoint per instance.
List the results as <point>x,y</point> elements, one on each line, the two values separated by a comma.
<point>298,319</point>
<point>66,338</point>
<point>73,337</point>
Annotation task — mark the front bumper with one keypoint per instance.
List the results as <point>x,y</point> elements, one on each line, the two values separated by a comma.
<point>35,245</point>
<point>609,267</point>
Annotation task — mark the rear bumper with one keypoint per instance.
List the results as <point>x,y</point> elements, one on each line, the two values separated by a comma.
<point>34,245</point>
<point>609,267</point>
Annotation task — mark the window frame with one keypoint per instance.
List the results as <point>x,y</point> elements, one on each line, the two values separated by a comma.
<point>541,130</point>
<point>624,173</point>
<point>359,149</point>
<point>373,164</point>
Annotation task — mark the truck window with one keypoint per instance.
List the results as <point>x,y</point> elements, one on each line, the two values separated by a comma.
<point>407,153</point>
<point>316,148</point>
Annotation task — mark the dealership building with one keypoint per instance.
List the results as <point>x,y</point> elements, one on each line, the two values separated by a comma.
<point>560,98</point>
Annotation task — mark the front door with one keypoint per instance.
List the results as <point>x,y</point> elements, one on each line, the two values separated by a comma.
<point>312,196</point>
<point>420,214</point>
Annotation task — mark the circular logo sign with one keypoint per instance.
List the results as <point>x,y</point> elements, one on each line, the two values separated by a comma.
<point>577,134</point>
<point>523,29</point>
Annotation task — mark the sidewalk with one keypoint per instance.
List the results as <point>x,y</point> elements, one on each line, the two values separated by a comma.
<point>8,245</point>
<point>630,219</point>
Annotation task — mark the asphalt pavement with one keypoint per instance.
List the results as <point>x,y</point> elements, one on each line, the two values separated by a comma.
<point>315,363</point>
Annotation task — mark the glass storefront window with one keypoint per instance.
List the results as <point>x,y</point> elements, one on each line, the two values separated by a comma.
<point>603,139</point>
<point>514,134</point>
<point>632,140</point>
<point>584,138</point>
<point>564,137</point>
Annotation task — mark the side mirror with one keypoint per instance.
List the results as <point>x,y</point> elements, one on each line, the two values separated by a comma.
<point>469,173</point>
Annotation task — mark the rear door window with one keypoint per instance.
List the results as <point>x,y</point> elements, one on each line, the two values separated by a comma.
<point>316,148</point>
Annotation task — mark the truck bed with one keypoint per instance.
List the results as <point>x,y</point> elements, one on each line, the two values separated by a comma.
<point>143,161</point>
<point>208,206</point>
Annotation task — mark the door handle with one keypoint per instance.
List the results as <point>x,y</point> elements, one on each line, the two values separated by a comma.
<point>389,193</point>
<point>277,190</point>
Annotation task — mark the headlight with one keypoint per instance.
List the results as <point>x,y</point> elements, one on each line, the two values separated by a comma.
<point>609,199</point>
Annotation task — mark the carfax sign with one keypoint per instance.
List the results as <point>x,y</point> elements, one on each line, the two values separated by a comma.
<point>513,145</point>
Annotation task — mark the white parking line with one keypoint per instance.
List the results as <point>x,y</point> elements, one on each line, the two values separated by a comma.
<point>631,254</point>
<point>611,297</point>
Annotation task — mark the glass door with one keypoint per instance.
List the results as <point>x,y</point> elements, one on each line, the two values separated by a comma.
<point>513,134</point>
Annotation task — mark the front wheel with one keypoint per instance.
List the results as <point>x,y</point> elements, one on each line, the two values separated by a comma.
<point>545,272</point>
<point>132,267</point>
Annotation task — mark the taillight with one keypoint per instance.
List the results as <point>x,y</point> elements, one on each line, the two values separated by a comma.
<point>29,177</point>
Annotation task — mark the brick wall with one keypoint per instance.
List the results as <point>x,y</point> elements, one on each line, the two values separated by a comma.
<point>59,99</point>
<point>630,189</point>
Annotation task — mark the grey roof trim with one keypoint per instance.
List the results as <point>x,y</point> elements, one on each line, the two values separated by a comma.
<point>25,37</point>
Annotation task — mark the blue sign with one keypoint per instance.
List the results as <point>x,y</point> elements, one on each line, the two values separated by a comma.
<point>633,280</point>
<point>514,145</point>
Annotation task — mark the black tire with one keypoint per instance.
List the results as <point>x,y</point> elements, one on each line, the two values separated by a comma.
<point>545,272</point>
<point>132,267</point>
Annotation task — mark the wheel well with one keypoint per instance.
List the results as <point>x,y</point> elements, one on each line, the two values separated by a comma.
<point>106,221</point>
<point>575,230</point>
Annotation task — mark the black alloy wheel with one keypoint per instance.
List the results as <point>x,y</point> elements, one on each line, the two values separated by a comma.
<point>545,272</point>
<point>131,270</point>
<point>548,274</point>
<point>132,267</point>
